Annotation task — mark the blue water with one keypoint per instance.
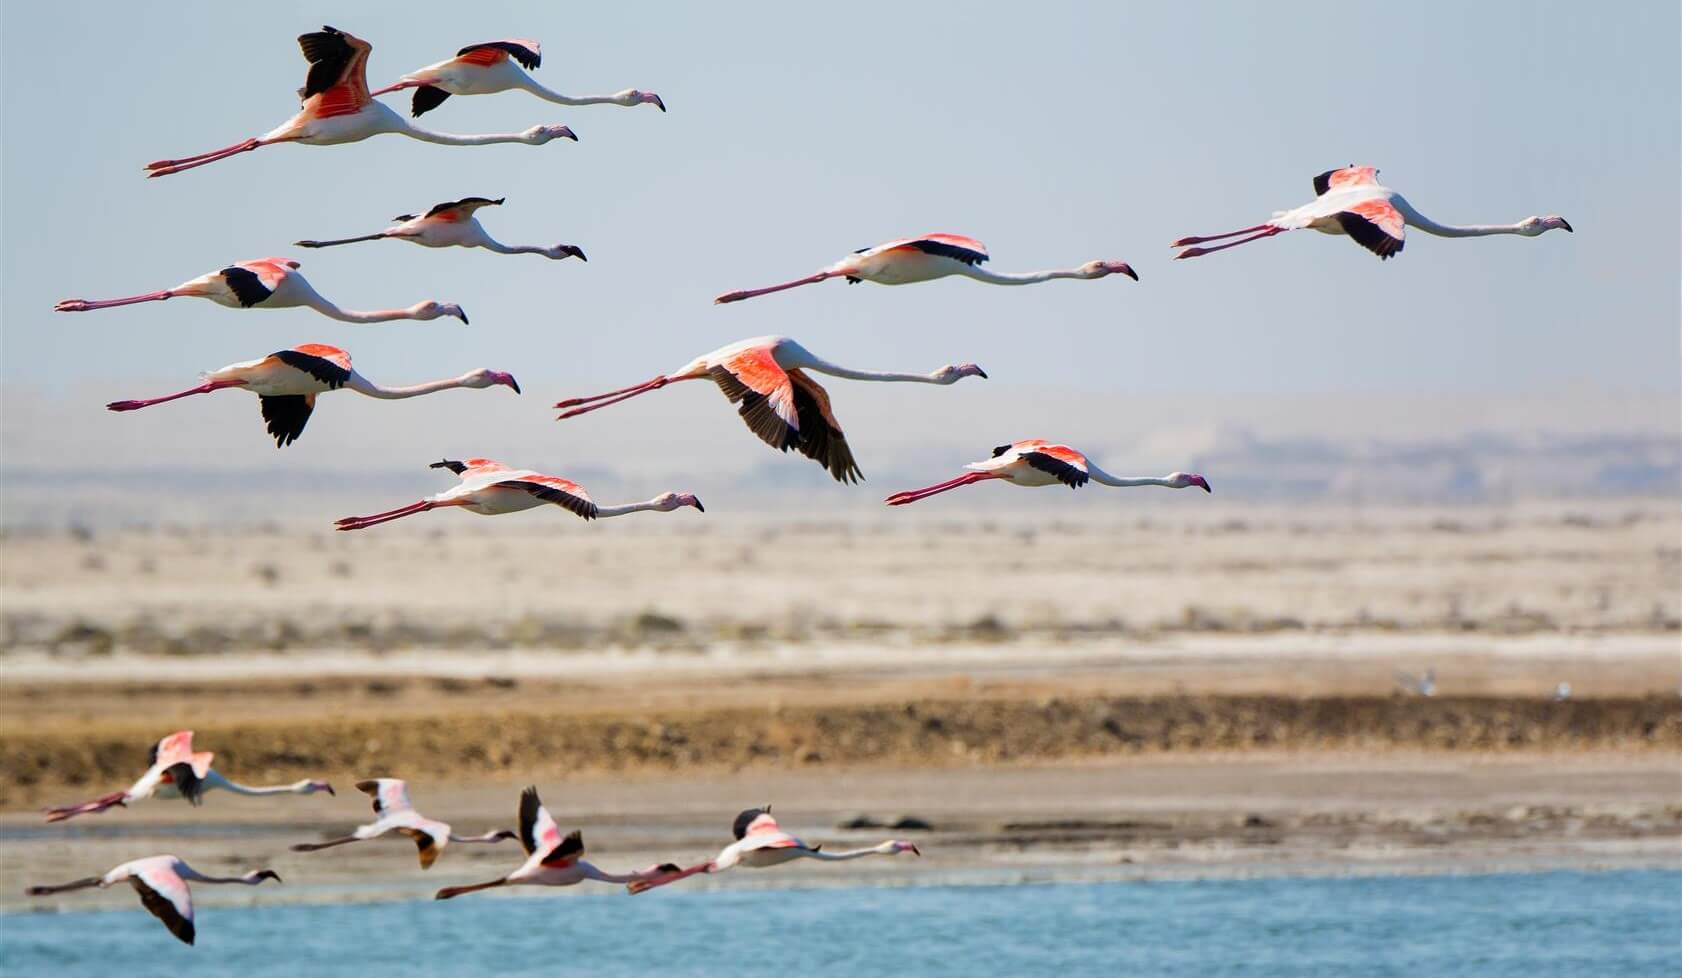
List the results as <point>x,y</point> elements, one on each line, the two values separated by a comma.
<point>1625,924</point>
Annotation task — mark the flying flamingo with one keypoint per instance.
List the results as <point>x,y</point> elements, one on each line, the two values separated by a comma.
<point>484,69</point>
<point>453,223</point>
<point>175,771</point>
<point>397,814</point>
<point>490,489</point>
<point>1351,201</point>
<point>1037,462</point>
<point>780,403</point>
<point>550,859</point>
<point>161,882</point>
<point>287,381</point>
<point>267,283</point>
<point>761,844</point>
<point>927,258</point>
<point>338,109</point>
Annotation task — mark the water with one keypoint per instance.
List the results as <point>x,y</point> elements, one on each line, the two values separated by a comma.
<point>1623,923</point>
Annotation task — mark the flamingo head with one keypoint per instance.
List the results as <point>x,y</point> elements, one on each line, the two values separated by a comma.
<point>1185,480</point>
<point>565,251</point>
<point>954,372</point>
<point>897,846</point>
<point>503,835</point>
<point>482,378</point>
<point>259,875</point>
<point>312,787</point>
<point>538,135</point>
<point>631,96</point>
<point>430,310</point>
<point>1099,269</point>
<point>1530,227</point>
<point>668,501</point>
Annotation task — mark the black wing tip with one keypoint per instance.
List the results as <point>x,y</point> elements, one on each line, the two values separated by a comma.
<point>458,468</point>
<point>425,99</point>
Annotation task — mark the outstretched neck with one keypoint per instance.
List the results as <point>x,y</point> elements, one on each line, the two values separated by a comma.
<point>451,139</point>
<point>881,850</point>
<point>836,370</point>
<point>327,308</point>
<point>981,274</point>
<point>1104,478</point>
<point>1423,223</point>
<point>535,87</point>
<point>491,244</point>
<point>644,507</point>
<point>363,385</point>
<point>215,780</point>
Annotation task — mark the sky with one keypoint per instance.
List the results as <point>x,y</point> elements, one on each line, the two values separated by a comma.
<point>1054,132</point>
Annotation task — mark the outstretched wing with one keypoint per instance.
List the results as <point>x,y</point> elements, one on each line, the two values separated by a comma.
<point>338,76</point>
<point>570,850</point>
<point>328,364</point>
<point>524,50</point>
<point>754,379</point>
<point>457,210</point>
<point>471,468</point>
<point>538,831</point>
<point>1348,176</point>
<point>821,438</point>
<point>390,795</point>
<point>1376,225</point>
<point>753,820</point>
<point>286,415</point>
<point>1060,461</point>
<point>564,493</point>
<point>164,894</point>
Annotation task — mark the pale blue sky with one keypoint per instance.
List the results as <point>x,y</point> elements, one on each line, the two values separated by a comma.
<point>1055,133</point>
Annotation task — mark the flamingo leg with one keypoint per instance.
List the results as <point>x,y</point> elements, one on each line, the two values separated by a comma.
<point>330,843</point>
<point>237,147</point>
<point>396,88</point>
<point>214,385</point>
<point>61,813</point>
<point>646,385</point>
<point>1194,252</point>
<point>455,891</point>
<point>81,884</point>
<point>640,886</point>
<point>750,293</point>
<point>163,168</point>
<point>362,522</point>
<point>1216,237</point>
<point>83,305</point>
<point>912,495</point>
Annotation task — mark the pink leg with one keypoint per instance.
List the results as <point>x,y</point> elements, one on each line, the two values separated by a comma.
<point>83,305</point>
<point>640,886</point>
<point>1216,237</point>
<point>111,800</point>
<point>163,168</point>
<point>214,385</point>
<point>647,385</point>
<point>614,397</point>
<point>363,522</point>
<point>912,495</point>
<point>396,88</point>
<point>1194,252</point>
<point>750,293</point>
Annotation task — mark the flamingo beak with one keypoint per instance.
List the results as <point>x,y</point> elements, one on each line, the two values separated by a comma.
<point>507,380</point>
<point>1122,268</point>
<point>1204,483</point>
<point>1566,225</point>
<point>693,501</point>
<point>575,251</point>
<point>567,133</point>
<point>655,101</point>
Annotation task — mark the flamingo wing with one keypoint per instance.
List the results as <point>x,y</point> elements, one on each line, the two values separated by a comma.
<point>568,851</point>
<point>1348,176</point>
<point>524,50</point>
<point>459,210</point>
<point>753,820</point>
<point>1376,225</point>
<point>471,468</point>
<point>390,795</point>
<point>1061,462</point>
<point>286,415</point>
<point>754,379</point>
<point>328,364</point>
<point>338,78</point>
<point>164,894</point>
<point>248,283</point>
<point>564,493</point>
<point>821,437</point>
<point>538,831</point>
<point>429,837</point>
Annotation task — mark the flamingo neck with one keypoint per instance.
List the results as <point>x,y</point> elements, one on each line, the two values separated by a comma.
<point>491,244</point>
<point>1104,478</point>
<point>215,780</point>
<point>408,128</point>
<point>1423,223</point>
<point>605,511</point>
<point>879,850</point>
<point>329,309</point>
<point>981,274</point>
<point>363,385</point>
<point>810,362</point>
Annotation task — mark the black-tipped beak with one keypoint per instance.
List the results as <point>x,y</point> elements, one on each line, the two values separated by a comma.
<point>1566,225</point>
<point>699,506</point>
<point>578,252</point>
<point>1128,271</point>
<point>659,104</point>
<point>514,384</point>
<point>567,133</point>
<point>329,789</point>
<point>463,315</point>
<point>981,373</point>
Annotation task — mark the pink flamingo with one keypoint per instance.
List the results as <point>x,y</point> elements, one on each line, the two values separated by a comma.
<point>267,283</point>
<point>495,66</point>
<point>286,383</point>
<point>161,882</point>
<point>1037,462</point>
<point>551,860</point>
<point>927,258</point>
<point>397,814</point>
<point>490,489</point>
<point>176,771</point>
<point>761,844</point>
<point>1350,201</point>
<point>453,223</point>
<point>780,403</point>
<point>338,109</point>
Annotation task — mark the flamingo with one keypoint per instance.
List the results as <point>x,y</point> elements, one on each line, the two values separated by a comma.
<point>1351,201</point>
<point>495,66</point>
<point>780,403</point>
<point>927,258</point>
<point>176,771</point>
<point>490,489</point>
<point>338,109</point>
<point>161,882</point>
<point>287,381</point>
<point>550,859</point>
<point>761,844</point>
<point>1037,462</point>
<point>267,283</point>
<point>397,814</point>
<point>453,223</point>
